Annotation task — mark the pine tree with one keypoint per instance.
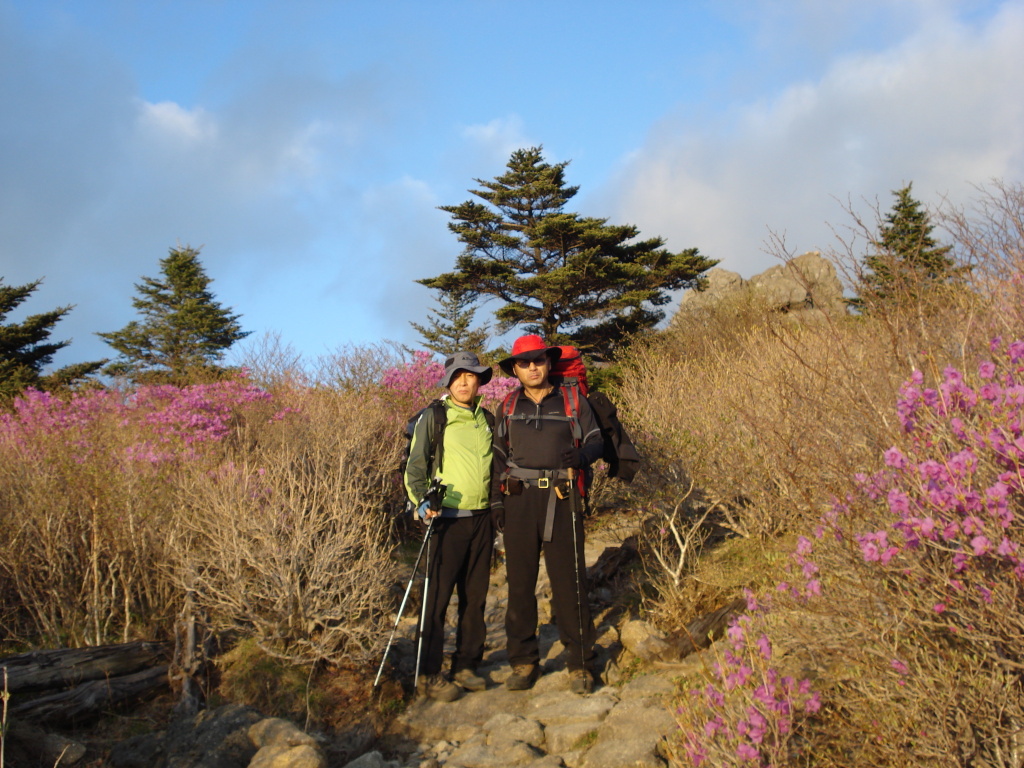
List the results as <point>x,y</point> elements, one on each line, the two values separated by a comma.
<point>569,278</point>
<point>184,332</point>
<point>25,348</point>
<point>451,329</point>
<point>907,259</point>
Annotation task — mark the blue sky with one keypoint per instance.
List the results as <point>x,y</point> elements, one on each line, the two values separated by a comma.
<point>306,145</point>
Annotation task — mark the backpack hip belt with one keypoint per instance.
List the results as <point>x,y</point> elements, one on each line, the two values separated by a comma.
<point>542,479</point>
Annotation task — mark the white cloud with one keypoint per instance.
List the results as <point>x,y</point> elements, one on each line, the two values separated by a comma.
<point>944,108</point>
<point>170,121</point>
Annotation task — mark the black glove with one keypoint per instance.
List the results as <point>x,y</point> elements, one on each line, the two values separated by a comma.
<point>570,458</point>
<point>498,518</point>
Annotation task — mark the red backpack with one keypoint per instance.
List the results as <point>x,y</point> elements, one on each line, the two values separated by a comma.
<point>570,370</point>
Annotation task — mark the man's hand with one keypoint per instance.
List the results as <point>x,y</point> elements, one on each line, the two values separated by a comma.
<point>424,512</point>
<point>570,458</point>
<point>498,518</point>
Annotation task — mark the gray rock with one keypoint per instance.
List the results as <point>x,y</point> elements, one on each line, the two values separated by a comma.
<point>217,738</point>
<point>637,720</point>
<point>284,756</point>
<point>560,739</point>
<point>560,708</point>
<point>476,754</point>
<point>645,642</point>
<point>617,754</point>
<point>504,727</point>
<point>372,760</point>
<point>647,687</point>
<point>26,744</point>
<point>807,285</point>
<point>273,731</point>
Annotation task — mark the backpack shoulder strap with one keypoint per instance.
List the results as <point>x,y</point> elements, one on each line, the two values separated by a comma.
<point>508,405</point>
<point>571,400</point>
<point>440,414</point>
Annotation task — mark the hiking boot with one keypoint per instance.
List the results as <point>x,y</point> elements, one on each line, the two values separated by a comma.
<point>523,676</point>
<point>581,681</point>
<point>470,680</point>
<point>439,688</point>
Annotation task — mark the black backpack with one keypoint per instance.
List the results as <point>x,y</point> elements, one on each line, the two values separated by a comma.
<point>436,443</point>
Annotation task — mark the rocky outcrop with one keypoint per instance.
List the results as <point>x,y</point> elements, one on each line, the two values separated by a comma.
<point>231,736</point>
<point>807,285</point>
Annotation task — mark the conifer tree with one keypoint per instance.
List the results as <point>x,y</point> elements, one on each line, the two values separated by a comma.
<point>184,331</point>
<point>564,276</point>
<point>907,258</point>
<point>25,348</point>
<point>450,329</point>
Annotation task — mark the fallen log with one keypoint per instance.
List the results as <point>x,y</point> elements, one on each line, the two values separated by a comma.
<point>87,700</point>
<point>64,667</point>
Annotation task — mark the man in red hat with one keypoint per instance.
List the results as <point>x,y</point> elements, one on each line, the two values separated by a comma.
<point>539,446</point>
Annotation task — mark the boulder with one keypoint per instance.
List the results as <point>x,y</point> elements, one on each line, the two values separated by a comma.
<point>808,283</point>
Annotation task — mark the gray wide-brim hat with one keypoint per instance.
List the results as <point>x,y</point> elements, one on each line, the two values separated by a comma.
<point>465,361</point>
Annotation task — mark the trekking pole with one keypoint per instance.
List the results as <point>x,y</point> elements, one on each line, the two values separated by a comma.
<point>574,506</point>
<point>434,492</point>
<point>423,609</point>
<point>405,598</point>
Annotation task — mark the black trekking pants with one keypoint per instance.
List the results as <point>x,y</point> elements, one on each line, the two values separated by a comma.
<point>524,530</point>
<point>460,561</point>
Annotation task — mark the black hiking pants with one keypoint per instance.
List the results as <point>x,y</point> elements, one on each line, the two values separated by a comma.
<point>524,531</point>
<point>460,561</point>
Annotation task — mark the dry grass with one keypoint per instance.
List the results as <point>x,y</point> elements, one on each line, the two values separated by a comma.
<point>280,532</point>
<point>772,419</point>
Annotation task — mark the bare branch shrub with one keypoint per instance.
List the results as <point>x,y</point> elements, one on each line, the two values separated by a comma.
<point>357,367</point>
<point>272,363</point>
<point>903,607</point>
<point>988,237</point>
<point>83,530</point>
<point>288,544</point>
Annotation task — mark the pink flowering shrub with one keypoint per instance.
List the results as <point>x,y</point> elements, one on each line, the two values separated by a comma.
<point>417,382</point>
<point>902,606</point>
<point>749,712</point>
<point>920,567</point>
<point>263,514</point>
<point>89,496</point>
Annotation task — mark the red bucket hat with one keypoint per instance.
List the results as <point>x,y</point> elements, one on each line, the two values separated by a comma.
<point>529,347</point>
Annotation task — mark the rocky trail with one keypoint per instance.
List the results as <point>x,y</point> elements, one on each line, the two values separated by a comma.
<point>621,724</point>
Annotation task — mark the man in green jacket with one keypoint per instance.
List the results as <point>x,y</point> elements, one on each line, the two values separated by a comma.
<point>463,535</point>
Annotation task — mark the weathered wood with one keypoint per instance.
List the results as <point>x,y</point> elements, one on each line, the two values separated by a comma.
<point>48,670</point>
<point>87,700</point>
<point>611,562</point>
<point>701,632</point>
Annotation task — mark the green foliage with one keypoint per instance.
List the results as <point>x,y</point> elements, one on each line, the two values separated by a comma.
<point>907,258</point>
<point>25,348</point>
<point>184,330</point>
<point>570,278</point>
<point>451,329</point>
<point>249,675</point>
